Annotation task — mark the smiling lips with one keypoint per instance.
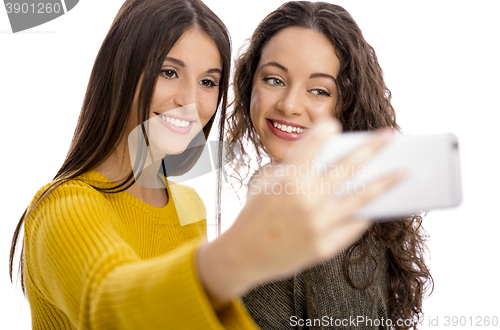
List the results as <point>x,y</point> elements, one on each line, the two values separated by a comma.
<point>289,128</point>
<point>175,122</point>
<point>286,132</point>
<point>181,126</point>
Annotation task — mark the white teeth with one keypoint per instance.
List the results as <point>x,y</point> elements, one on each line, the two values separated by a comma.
<point>175,122</point>
<point>288,129</point>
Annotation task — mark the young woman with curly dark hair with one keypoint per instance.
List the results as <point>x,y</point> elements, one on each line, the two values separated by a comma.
<point>307,61</point>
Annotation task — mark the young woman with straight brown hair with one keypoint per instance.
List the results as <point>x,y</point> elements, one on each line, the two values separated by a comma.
<point>93,236</point>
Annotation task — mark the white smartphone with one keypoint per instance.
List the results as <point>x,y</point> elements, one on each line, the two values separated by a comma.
<point>430,161</point>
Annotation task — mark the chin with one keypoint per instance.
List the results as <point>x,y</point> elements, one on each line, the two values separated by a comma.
<point>176,151</point>
<point>170,149</point>
<point>277,156</point>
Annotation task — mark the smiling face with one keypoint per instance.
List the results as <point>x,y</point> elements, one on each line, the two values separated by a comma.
<point>185,95</point>
<point>293,87</point>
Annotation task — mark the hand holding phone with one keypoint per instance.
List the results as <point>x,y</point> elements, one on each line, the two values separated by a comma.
<point>431,164</point>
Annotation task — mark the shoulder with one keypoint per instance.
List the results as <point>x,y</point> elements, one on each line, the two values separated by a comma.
<point>70,199</point>
<point>189,206</point>
<point>72,187</point>
<point>186,193</point>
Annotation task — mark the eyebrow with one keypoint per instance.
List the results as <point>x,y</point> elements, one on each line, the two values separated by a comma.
<point>314,75</point>
<point>183,65</point>
<point>219,71</point>
<point>176,61</point>
<point>279,66</point>
<point>322,75</point>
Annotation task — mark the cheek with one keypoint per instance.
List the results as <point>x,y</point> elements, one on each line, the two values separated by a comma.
<point>253,106</point>
<point>207,107</point>
<point>322,110</point>
<point>259,104</point>
<point>161,94</point>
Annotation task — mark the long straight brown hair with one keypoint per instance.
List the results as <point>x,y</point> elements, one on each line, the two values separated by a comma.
<point>139,39</point>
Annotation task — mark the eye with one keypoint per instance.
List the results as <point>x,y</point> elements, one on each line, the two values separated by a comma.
<point>169,73</point>
<point>320,92</point>
<point>273,81</point>
<point>209,83</point>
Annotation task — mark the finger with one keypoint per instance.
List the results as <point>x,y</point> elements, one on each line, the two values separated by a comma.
<point>349,165</point>
<point>346,206</point>
<point>344,234</point>
<point>309,146</point>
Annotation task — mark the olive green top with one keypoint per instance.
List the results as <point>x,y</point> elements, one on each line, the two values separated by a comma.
<point>321,297</point>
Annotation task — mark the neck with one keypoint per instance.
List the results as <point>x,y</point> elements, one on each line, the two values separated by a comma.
<point>148,187</point>
<point>275,162</point>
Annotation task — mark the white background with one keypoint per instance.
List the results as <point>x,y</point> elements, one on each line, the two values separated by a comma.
<point>441,62</point>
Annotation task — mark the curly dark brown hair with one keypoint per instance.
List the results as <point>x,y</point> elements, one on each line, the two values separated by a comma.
<point>363,104</point>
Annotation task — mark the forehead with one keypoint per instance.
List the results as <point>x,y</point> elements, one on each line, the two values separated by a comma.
<point>198,48</point>
<point>301,49</point>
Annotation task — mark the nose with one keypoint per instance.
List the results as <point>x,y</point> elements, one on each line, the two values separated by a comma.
<point>186,94</point>
<point>291,103</point>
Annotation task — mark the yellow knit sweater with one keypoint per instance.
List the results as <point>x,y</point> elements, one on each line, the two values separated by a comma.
<point>110,261</point>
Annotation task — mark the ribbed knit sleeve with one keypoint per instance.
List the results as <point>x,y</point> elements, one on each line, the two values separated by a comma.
<point>83,270</point>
